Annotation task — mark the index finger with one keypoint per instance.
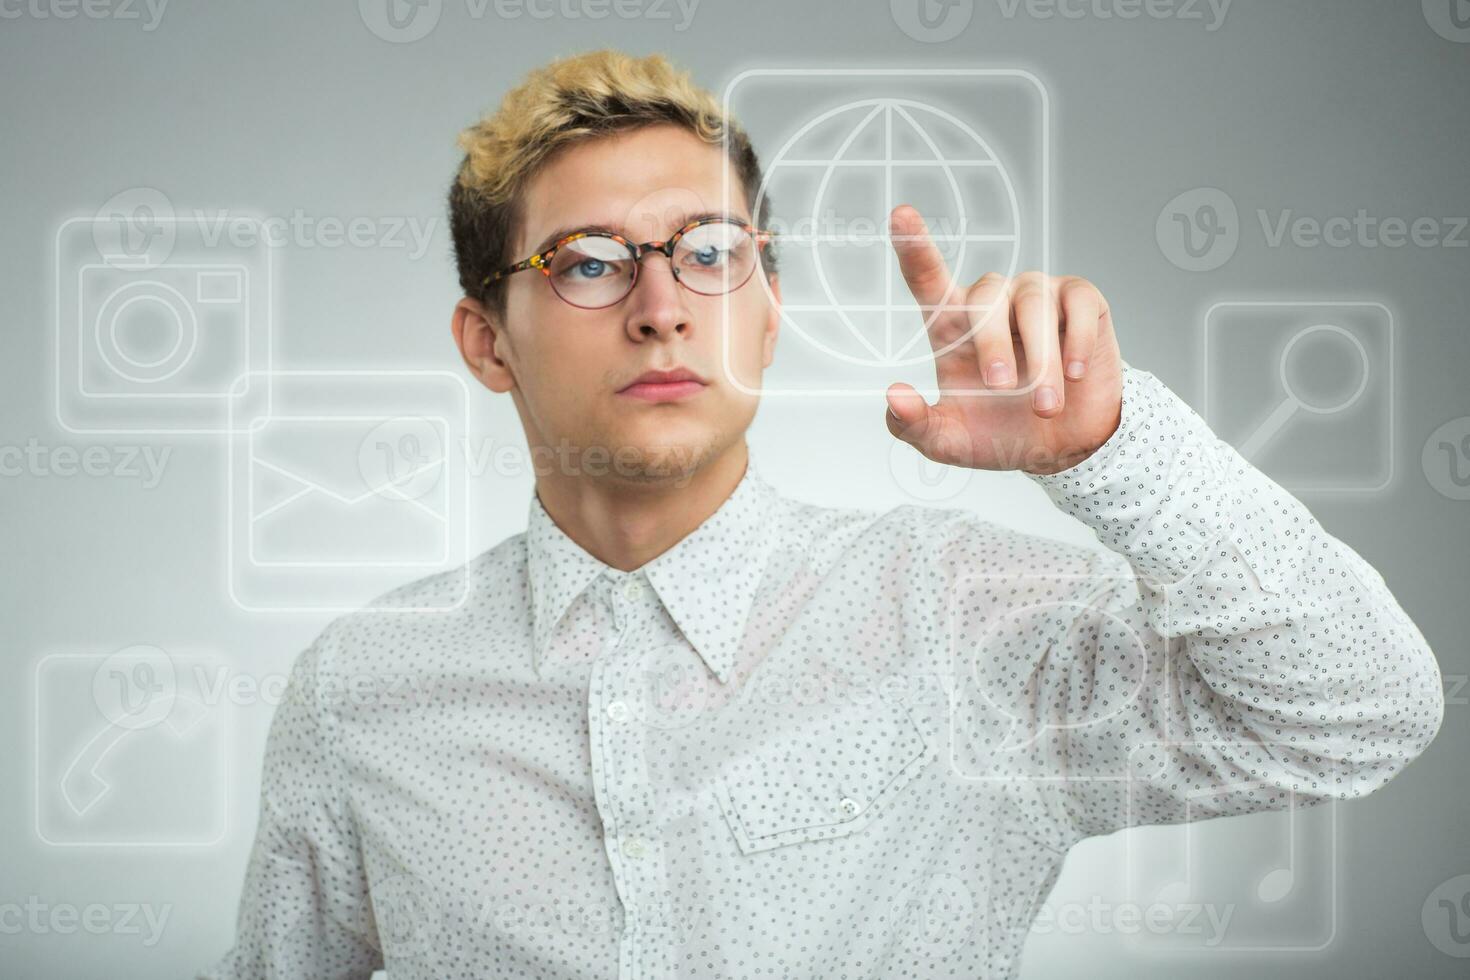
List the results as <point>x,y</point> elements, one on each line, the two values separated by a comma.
<point>919,259</point>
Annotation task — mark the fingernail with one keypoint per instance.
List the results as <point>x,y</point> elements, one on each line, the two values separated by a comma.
<point>1046,399</point>
<point>1075,369</point>
<point>999,373</point>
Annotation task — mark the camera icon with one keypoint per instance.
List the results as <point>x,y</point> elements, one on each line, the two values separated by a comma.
<point>175,326</point>
<point>156,317</point>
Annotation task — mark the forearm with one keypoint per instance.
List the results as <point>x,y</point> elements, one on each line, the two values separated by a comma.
<point>1279,634</point>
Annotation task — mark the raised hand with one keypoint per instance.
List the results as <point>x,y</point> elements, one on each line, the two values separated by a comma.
<point>1038,352</point>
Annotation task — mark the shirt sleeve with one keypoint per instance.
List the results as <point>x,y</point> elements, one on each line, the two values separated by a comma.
<point>1225,655</point>
<point>304,907</point>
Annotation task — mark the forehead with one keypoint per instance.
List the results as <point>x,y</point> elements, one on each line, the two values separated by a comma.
<point>643,183</point>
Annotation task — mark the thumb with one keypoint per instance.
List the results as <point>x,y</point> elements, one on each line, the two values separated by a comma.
<point>933,432</point>
<point>906,405</point>
<point>910,418</point>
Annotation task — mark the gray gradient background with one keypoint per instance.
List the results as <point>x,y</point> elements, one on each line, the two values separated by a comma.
<point>1323,108</point>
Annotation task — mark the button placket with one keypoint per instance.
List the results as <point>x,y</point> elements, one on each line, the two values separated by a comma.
<point>624,792</point>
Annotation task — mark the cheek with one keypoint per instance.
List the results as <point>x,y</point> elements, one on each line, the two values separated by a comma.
<point>747,339</point>
<point>563,348</point>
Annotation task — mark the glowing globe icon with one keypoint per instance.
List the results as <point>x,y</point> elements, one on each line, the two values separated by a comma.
<point>902,339</point>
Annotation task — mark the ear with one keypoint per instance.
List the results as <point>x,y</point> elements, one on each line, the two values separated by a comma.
<point>773,322</point>
<point>482,341</point>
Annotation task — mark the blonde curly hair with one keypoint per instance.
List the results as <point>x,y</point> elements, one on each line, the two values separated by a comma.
<point>569,100</point>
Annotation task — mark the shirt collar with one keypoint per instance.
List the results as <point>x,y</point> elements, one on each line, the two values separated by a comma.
<point>707,581</point>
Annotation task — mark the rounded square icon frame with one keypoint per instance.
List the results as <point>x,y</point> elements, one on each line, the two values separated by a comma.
<point>1103,590</point>
<point>264,335</point>
<point>1389,372</point>
<point>223,747</point>
<point>1326,808</point>
<point>889,308</point>
<point>462,486</point>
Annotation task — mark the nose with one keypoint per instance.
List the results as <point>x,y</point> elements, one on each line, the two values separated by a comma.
<point>656,306</point>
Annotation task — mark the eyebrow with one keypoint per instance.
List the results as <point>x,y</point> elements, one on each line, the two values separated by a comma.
<point>566,230</point>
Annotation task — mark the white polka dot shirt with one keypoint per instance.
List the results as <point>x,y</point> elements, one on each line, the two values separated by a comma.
<point>813,742</point>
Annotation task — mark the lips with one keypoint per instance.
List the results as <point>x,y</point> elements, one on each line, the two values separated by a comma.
<point>670,385</point>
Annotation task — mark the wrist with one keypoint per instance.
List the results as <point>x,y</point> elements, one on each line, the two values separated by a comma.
<point>1050,463</point>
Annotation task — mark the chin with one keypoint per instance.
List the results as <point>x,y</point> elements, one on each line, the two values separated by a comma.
<point>663,456</point>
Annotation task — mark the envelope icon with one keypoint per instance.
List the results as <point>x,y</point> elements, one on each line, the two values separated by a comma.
<point>352,492</point>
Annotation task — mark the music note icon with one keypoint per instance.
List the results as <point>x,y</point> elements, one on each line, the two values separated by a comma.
<point>1266,881</point>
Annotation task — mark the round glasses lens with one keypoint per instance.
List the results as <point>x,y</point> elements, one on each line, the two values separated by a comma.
<point>592,271</point>
<point>715,258</point>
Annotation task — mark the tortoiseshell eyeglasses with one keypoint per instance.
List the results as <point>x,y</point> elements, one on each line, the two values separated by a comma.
<point>593,270</point>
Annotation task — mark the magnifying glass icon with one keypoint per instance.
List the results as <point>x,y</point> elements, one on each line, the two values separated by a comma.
<point>1293,402</point>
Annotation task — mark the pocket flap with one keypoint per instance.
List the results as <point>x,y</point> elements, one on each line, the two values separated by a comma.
<point>825,776</point>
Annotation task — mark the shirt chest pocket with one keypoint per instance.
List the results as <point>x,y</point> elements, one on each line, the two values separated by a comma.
<point>818,773</point>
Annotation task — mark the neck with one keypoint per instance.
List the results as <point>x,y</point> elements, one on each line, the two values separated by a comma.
<point>626,525</point>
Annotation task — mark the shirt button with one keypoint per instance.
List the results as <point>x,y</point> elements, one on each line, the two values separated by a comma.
<point>633,589</point>
<point>849,806</point>
<point>618,711</point>
<point>635,847</point>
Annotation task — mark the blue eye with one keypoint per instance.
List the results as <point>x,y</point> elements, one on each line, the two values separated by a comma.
<point>708,256</point>
<point>591,268</point>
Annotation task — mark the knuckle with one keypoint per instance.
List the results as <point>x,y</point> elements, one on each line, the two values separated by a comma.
<point>1078,288</point>
<point>1030,296</point>
<point>984,290</point>
<point>989,284</point>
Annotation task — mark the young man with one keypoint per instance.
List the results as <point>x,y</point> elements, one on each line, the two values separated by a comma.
<point>872,737</point>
